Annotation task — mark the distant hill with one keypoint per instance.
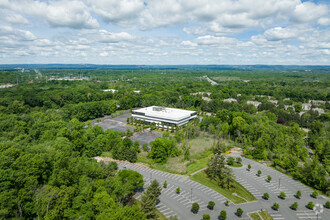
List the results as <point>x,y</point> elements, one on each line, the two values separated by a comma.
<point>11,67</point>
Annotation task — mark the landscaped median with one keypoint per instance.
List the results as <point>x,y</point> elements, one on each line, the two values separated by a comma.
<point>260,215</point>
<point>231,194</point>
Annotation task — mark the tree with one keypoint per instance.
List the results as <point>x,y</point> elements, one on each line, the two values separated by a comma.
<point>282,195</point>
<point>148,205</point>
<point>294,206</point>
<point>165,184</point>
<point>149,199</point>
<point>276,206</point>
<point>137,146</point>
<point>227,203</point>
<point>239,212</point>
<point>259,172</point>
<point>155,189</point>
<point>310,205</point>
<point>239,160</point>
<point>249,167</point>
<point>211,205</point>
<point>206,217</point>
<point>178,190</point>
<point>298,194</point>
<point>230,161</point>
<point>327,204</point>
<point>269,178</point>
<point>266,196</point>
<point>239,125</point>
<point>145,147</point>
<point>219,172</point>
<point>223,215</point>
<point>315,194</point>
<point>195,207</point>
<point>186,155</point>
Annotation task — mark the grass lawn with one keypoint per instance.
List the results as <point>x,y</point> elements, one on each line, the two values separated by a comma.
<point>199,155</point>
<point>238,189</point>
<point>200,144</point>
<point>173,164</point>
<point>197,165</point>
<point>254,216</point>
<point>265,215</point>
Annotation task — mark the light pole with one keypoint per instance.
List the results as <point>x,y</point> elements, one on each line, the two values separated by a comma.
<point>216,164</point>
<point>279,182</point>
<point>191,195</point>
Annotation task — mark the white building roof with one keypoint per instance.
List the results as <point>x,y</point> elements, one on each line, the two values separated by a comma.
<point>165,113</point>
<point>230,100</point>
<point>110,90</point>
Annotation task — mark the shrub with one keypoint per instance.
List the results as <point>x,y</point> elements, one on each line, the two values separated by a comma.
<point>206,217</point>
<point>276,206</point>
<point>269,178</point>
<point>178,190</point>
<point>266,196</point>
<point>315,194</point>
<point>230,161</point>
<point>223,215</point>
<point>282,195</point>
<point>195,207</point>
<point>259,172</point>
<point>145,147</point>
<point>298,194</point>
<point>239,212</point>
<point>227,203</point>
<point>249,166</point>
<point>327,205</point>
<point>310,205</point>
<point>238,160</point>
<point>211,204</point>
<point>165,184</point>
<point>294,206</point>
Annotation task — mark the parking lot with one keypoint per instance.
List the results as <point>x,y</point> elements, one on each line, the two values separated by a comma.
<point>114,123</point>
<point>172,203</point>
<point>118,123</point>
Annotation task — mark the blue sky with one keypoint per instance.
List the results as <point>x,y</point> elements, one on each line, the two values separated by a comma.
<point>165,32</point>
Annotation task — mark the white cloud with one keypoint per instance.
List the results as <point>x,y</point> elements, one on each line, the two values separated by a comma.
<point>121,12</point>
<point>18,34</point>
<point>73,14</point>
<point>279,33</point>
<point>159,13</point>
<point>157,31</point>
<point>325,21</point>
<point>188,43</point>
<point>195,30</point>
<point>308,11</point>
<point>16,19</point>
<point>215,41</point>
<point>107,37</point>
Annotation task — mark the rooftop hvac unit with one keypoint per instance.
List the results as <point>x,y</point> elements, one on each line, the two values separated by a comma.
<point>158,109</point>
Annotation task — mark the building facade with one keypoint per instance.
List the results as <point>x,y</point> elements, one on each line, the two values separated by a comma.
<point>167,117</point>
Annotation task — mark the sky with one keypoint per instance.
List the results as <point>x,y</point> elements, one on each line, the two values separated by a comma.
<point>165,32</point>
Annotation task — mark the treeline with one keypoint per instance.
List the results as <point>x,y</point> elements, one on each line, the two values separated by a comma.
<point>47,171</point>
<point>45,176</point>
